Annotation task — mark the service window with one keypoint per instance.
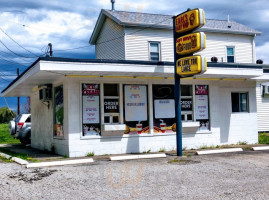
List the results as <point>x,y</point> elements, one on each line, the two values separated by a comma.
<point>111,104</point>
<point>136,109</point>
<point>239,101</point>
<point>90,109</point>
<point>186,103</point>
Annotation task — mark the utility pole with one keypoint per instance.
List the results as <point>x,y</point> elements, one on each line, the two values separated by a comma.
<point>18,108</point>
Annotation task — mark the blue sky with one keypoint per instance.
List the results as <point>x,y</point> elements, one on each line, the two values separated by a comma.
<point>27,26</point>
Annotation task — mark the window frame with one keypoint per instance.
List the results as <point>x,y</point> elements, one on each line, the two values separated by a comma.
<point>239,104</point>
<point>111,115</point>
<point>159,49</point>
<point>231,47</point>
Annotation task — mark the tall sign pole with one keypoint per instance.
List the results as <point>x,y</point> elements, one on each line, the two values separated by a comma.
<point>177,99</point>
<point>18,98</point>
<point>185,44</point>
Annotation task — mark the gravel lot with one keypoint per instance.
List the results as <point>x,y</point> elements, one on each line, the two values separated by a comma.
<point>223,176</point>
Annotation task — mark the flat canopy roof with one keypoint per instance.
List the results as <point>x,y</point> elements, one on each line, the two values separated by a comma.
<point>47,70</point>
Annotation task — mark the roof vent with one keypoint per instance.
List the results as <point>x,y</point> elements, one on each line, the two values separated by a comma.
<point>113,2</point>
<point>229,25</point>
<point>214,59</point>
<point>259,62</point>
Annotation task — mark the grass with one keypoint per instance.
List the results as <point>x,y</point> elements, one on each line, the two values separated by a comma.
<point>5,160</point>
<point>264,138</point>
<point>91,154</point>
<point>5,137</point>
<point>23,156</point>
<point>242,143</point>
<point>162,150</point>
<point>148,151</point>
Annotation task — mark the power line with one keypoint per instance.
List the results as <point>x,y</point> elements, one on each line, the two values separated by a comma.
<point>15,52</point>
<point>16,42</point>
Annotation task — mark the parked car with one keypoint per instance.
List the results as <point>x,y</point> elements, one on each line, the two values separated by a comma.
<point>20,128</point>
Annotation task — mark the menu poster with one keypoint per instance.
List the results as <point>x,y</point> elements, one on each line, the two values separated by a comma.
<point>201,102</point>
<point>91,109</point>
<point>164,109</point>
<point>136,116</point>
<point>135,103</point>
<point>58,111</point>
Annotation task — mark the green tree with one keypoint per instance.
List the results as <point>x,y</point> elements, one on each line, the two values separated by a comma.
<point>6,115</point>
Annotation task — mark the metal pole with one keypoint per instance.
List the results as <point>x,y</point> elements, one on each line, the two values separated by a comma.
<point>177,100</point>
<point>18,98</point>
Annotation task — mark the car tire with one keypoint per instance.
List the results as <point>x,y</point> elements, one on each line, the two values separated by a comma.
<point>26,140</point>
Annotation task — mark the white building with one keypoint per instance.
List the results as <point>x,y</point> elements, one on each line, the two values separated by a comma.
<point>123,101</point>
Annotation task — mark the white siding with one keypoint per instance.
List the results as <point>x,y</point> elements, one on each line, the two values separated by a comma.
<point>42,126</point>
<point>262,109</point>
<point>110,43</point>
<point>137,45</point>
<point>217,43</point>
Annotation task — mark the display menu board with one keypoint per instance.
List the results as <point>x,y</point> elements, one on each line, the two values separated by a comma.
<point>164,108</point>
<point>91,109</point>
<point>135,103</point>
<point>201,102</point>
<point>58,111</point>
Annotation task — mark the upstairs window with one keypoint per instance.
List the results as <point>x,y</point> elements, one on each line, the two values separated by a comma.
<point>230,54</point>
<point>239,102</point>
<point>154,51</point>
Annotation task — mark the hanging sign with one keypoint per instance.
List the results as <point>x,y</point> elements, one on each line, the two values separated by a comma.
<point>186,104</point>
<point>111,105</point>
<point>190,20</point>
<point>191,65</point>
<point>191,43</point>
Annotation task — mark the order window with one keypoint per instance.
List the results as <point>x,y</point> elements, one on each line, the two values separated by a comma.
<point>111,104</point>
<point>230,54</point>
<point>186,103</point>
<point>240,102</point>
<point>154,51</point>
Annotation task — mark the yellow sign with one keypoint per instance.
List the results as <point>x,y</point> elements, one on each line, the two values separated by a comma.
<point>190,20</point>
<point>191,43</point>
<point>191,65</point>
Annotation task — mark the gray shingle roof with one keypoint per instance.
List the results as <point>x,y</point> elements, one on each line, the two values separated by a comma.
<point>165,21</point>
<point>147,19</point>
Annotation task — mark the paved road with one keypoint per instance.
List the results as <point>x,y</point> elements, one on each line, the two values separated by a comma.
<point>223,176</point>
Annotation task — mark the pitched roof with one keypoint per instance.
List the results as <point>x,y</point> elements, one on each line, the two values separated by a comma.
<point>165,21</point>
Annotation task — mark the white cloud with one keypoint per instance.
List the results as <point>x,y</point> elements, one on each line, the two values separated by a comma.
<point>262,53</point>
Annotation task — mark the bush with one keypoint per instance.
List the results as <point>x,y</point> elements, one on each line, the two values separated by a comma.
<point>6,115</point>
<point>263,138</point>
